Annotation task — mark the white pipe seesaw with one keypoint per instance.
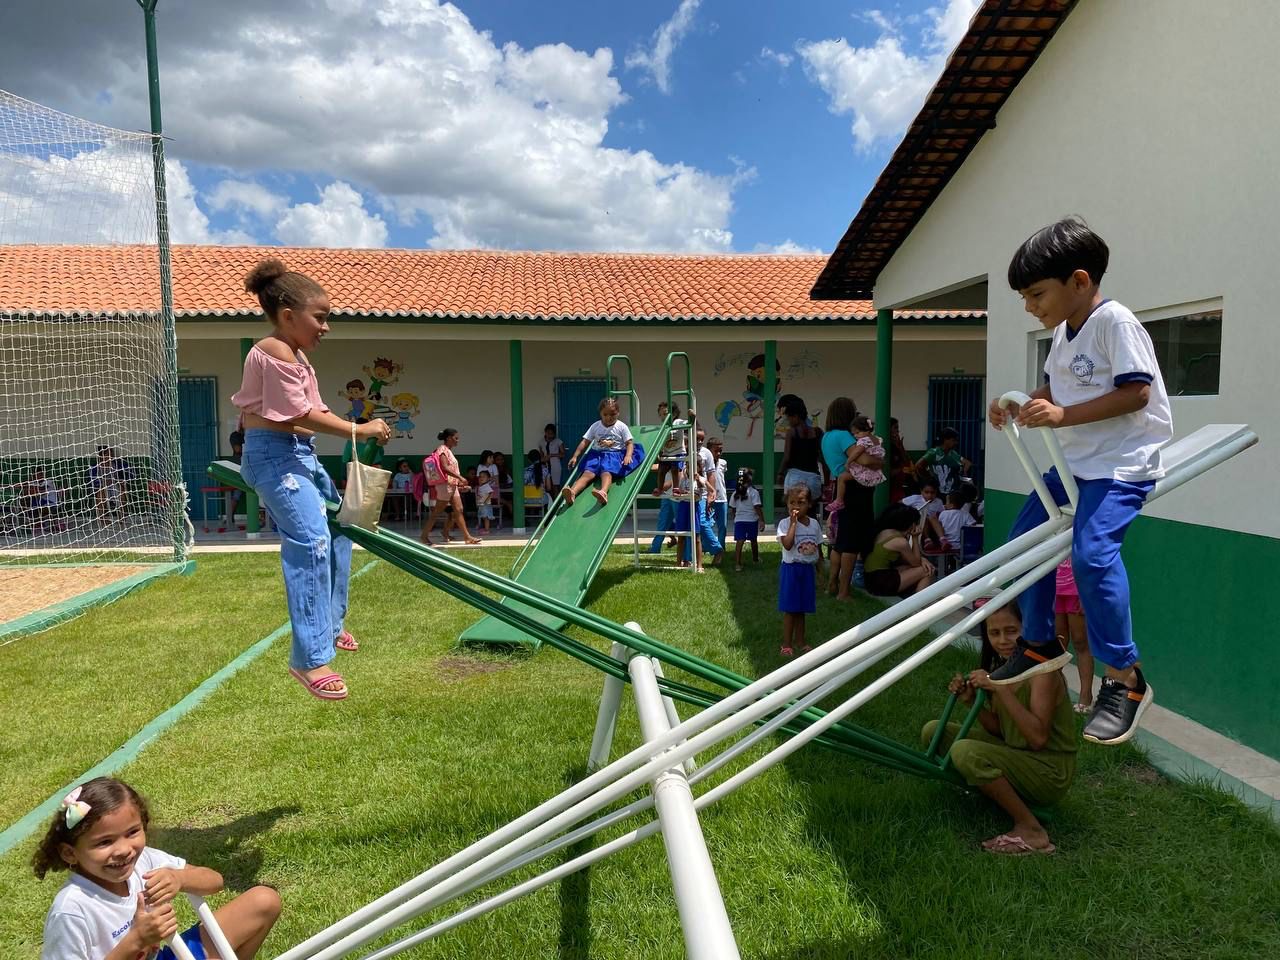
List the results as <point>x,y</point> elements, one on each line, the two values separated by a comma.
<point>663,763</point>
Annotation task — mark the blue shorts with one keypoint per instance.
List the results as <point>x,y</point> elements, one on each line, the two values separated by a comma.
<point>191,937</point>
<point>746,530</point>
<point>798,588</point>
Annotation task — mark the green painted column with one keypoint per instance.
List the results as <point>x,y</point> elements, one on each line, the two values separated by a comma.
<point>250,499</point>
<point>517,437</point>
<point>770,402</point>
<point>884,389</point>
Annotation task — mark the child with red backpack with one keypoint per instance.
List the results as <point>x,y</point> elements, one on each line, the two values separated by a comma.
<point>442,477</point>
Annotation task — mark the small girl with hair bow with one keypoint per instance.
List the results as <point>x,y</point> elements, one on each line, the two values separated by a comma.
<point>118,902</point>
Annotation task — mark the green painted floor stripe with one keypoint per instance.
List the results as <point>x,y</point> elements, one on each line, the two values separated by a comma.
<point>129,750</point>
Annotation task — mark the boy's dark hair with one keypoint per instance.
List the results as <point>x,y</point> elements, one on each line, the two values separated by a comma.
<point>955,500</point>
<point>103,795</point>
<point>897,516</point>
<point>989,659</point>
<point>1057,251</point>
<point>237,438</point>
<point>929,480</point>
<point>948,433</point>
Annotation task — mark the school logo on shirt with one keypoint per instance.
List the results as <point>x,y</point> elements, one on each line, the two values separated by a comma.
<point>1082,367</point>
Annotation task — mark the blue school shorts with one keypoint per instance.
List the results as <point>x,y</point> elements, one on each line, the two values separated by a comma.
<point>746,530</point>
<point>191,937</point>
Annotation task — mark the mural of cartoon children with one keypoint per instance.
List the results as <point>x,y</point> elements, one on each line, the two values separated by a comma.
<point>361,408</point>
<point>383,373</point>
<point>754,393</point>
<point>405,405</point>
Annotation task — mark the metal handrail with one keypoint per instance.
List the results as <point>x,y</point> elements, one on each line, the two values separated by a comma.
<point>687,392</point>
<point>630,392</point>
<point>1055,454</point>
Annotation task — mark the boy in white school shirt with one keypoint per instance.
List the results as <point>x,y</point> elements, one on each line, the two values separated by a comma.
<point>1104,395</point>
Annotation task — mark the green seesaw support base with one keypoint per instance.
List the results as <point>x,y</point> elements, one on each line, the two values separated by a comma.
<point>465,582</point>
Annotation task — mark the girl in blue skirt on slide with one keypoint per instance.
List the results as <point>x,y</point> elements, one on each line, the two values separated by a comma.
<point>613,454</point>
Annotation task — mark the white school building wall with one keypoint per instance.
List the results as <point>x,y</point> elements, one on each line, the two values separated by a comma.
<point>1156,121</point>
<point>463,382</point>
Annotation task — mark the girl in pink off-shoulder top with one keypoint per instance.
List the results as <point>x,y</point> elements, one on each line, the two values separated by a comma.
<point>282,412</point>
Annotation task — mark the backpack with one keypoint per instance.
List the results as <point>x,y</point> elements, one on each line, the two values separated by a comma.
<point>433,474</point>
<point>419,487</point>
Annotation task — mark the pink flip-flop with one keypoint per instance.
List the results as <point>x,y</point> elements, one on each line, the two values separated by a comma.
<point>346,641</point>
<point>316,687</point>
<point>1013,846</point>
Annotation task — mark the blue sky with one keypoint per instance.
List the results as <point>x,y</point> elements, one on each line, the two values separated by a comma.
<point>682,125</point>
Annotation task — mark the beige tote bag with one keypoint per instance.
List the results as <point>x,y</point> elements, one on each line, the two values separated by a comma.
<point>366,489</point>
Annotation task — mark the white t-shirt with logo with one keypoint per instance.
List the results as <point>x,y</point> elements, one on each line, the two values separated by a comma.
<point>615,437</point>
<point>745,508</point>
<point>87,921</point>
<point>927,508</point>
<point>807,547</point>
<point>1110,349</point>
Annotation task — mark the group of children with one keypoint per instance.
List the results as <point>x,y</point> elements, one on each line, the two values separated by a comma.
<point>1112,417</point>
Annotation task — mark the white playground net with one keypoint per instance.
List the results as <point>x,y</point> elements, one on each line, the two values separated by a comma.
<point>89,458</point>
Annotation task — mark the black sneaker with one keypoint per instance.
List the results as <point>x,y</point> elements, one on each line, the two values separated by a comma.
<point>1028,661</point>
<point>1117,711</point>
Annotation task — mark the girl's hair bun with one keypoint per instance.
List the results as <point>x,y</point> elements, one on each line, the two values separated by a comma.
<point>261,276</point>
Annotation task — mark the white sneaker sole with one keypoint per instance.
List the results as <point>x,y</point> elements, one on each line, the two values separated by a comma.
<point>1147,699</point>
<point>1049,666</point>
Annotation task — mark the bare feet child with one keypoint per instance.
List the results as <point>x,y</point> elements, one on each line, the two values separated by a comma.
<point>612,453</point>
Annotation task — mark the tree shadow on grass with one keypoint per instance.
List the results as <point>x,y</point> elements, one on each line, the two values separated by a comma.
<point>226,844</point>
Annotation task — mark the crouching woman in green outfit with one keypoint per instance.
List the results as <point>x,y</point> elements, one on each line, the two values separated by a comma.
<point>1023,747</point>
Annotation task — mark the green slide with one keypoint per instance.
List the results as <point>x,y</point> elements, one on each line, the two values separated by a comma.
<point>564,560</point>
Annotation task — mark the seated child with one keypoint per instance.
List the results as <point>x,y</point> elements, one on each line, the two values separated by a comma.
<point>612,455</point>
<point>674,450</point>
<point>1023,748</point>
<point>926,501</point>
<point>118,901</point>
<point>954,517</point>
<point>894,567</point>
<point>402,483</point>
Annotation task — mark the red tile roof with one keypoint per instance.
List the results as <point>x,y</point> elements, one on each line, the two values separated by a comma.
<point>208,281</point>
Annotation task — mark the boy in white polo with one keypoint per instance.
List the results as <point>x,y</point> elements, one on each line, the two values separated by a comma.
<point>1104,394</point>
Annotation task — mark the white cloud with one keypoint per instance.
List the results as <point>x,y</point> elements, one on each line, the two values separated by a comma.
<point>99,194</point>
<point>884,85</point>
<point>787,247</point>
<point>338,220</point>
<point>773,56</point>
<point>423,114</point>
<point>666,38</point>
<point>246,196</point>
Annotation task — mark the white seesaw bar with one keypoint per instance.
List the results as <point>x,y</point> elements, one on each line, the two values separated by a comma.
<point>484,860</point>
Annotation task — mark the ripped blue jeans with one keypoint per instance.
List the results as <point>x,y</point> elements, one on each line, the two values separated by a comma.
<point>284,471</point>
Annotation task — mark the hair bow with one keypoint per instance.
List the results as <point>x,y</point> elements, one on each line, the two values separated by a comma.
<point>74,808</point>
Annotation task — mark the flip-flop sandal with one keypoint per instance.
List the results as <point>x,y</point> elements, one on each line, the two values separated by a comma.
<point>1083,708</point>
<point>316,687</point>
<point>1009,845</point>
<point>346,641</point>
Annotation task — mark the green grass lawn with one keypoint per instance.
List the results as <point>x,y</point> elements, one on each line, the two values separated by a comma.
<point>822,857</point>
